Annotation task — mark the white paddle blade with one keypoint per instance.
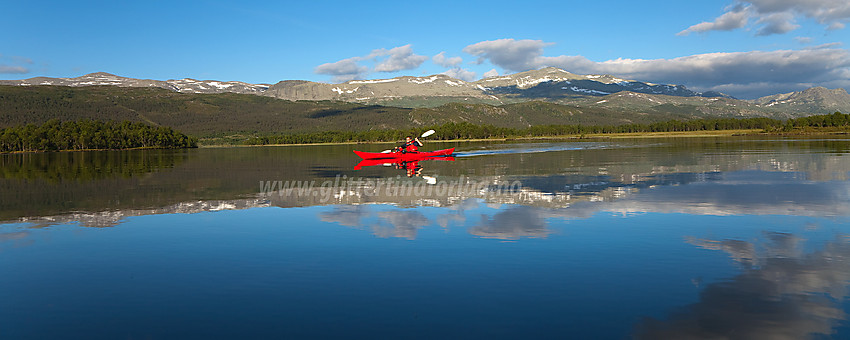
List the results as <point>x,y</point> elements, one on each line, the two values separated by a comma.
<point>428,133</point>
<point>386,151</point>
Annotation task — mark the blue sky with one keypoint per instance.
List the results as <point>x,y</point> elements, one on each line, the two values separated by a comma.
<point>744,48</point>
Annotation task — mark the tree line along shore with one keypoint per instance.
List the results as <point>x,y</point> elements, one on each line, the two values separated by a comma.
<point>835,122</point>
<point>56,135</point>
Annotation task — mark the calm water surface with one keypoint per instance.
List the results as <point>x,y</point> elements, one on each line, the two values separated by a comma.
<point>654,238</point>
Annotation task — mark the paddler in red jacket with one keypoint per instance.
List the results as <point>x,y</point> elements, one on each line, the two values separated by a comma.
<point>410,145</point>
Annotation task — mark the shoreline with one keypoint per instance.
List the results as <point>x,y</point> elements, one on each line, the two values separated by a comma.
<point>622,135</point>
<point>83,150</point>
<point>683,134</point>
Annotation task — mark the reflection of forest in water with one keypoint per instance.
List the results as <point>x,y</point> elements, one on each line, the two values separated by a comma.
<point>47,184</point>
<point>56,167</point>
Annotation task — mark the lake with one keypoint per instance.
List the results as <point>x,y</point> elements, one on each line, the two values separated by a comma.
<point>732,237</point>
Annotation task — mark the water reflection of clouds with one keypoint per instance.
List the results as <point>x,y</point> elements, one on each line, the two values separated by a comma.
<point>347,215</point>
<point>457,213</point>
<point>743,252</point>
<point>512,223</point>
<point>389,223</point>
<point>400,223</point>
<point>782,293</point>
<point>777,198</point>
<point>749,193</point>
<point>445,220</point>
<point>15,238</point>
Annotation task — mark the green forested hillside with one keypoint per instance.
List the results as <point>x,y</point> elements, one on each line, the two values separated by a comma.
<point>262,120</point>
<point>194,114</point>
<point>205,115</point>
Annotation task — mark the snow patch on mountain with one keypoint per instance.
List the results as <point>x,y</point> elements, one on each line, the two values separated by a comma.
<point>219,85</point>
<point>341,91</point>
<point>578,89</point>
<point>424,80</point>
<point>526,82</point>
<point>376,81</point>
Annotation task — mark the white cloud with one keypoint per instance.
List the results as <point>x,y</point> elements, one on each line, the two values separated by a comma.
<point>15,67</point>
<point>442,60</point>
<point>20,60</point>
<point>462,74</point>
<point>343,70</point>
<point>824,11</point>
<point>392,60</point>
<point>491,73</point>
<point>751,74</point>
<point>400,58</point>
<point>777,23</point>
<point>11,69</point>
<point>734,19</point>
<point>516,55</point>
<point>804,40</point>
<point>777,16</point>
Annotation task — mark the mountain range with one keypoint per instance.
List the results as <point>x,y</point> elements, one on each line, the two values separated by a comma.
<point>548,84</point>
<point>185,85</point>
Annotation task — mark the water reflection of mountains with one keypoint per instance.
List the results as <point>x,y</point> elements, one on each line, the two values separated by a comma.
<point>704,176</point>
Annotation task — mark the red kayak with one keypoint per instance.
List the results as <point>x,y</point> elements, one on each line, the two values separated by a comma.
<point>394,157</point>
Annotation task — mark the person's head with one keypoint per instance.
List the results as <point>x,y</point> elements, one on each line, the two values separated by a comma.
<point>408,138</point>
